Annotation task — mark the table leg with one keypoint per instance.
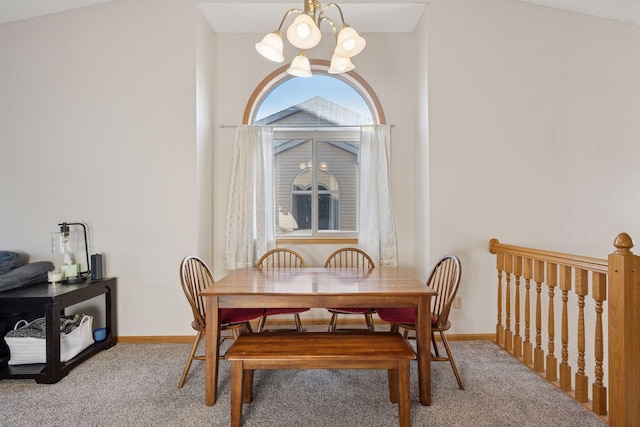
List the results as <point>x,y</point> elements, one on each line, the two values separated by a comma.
<point>423,344</point>
<point>111,307</point>
<point>247,396</point>
<point>237,381</point>
<point>52,343</point>
<point>404,394</point>
<point>212,350</point>
<point>392,375</point>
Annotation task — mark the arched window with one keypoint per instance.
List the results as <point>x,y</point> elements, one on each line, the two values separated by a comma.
<point>316,124</point>
<point>327,191</point>
<point>279,90</point>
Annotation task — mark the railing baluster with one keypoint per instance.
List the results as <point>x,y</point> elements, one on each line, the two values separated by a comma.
<point>499,327</point>
<point>565,368</point>
<point>508,334</point>
<point>538,352</point>
<point>599,391</point>
<point>552,362</point>
<point>527,347</point>
<point>517,339</point>
<point>582,381</point>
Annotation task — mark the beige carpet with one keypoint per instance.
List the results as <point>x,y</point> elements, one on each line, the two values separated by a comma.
<point>136,385</point>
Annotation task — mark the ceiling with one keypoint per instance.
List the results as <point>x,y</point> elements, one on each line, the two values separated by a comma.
<point>16,10</point>
<point>619,10</point>
<point>379,17</point>
<point>245,16</point>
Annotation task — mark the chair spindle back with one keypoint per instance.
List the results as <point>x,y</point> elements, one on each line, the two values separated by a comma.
<point>195,277</point>
<point>444,279</point>
<point>281,258</point>
<point>349,258</point>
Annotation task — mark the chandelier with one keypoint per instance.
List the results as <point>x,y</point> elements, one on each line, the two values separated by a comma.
<point>304,33</point>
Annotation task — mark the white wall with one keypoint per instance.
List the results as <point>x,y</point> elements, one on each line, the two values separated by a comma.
<point>98,126</point>
<point>533,136</point>
<point>421,257</point>
<point>206,80</point>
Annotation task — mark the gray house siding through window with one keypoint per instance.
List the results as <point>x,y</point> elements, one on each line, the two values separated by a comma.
<point>339,162</point>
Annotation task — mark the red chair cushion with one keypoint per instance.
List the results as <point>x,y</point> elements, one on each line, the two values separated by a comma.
<point>351,310</point>
<point>229,316</point>
<point>404,316</point>
<point>273,311</point>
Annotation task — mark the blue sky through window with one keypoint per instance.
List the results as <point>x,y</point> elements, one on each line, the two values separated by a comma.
<point>298,89</point>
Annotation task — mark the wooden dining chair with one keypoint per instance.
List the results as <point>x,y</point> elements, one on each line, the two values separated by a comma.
<point>350,258</point>
<point>196,276</point>
<point>281,258</point>
<point>445,280</point>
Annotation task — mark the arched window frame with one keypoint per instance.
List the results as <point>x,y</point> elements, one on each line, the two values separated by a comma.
<point>318,66</point>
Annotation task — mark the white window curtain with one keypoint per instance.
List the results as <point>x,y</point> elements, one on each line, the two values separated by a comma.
<point>376,231</point>
<point>250,217</point>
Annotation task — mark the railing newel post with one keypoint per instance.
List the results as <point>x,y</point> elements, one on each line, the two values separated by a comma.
<point>624,334</point>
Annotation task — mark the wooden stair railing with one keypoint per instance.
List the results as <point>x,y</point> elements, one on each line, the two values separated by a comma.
<point>615,281</point>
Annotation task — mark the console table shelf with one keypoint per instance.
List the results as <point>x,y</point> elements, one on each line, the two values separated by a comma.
<point>51,300</point>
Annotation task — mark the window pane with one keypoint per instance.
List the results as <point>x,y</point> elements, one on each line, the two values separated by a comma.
<point>337,185</point>
<point>293,181</point>
<point>316,185</point>
<point>319,100</point>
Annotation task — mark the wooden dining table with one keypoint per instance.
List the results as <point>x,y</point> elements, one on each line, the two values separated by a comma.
<point>319,288</point>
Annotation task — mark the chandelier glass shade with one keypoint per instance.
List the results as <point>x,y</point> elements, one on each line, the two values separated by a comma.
<point>349,43</point>
<point>300,66</point>
<point>340,65</point>
<point>304,33</point>
<point>271,47</point>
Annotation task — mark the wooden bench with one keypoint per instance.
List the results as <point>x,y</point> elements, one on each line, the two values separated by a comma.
<point>320,351</point>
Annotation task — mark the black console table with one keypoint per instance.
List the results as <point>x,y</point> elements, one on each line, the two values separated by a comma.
<point>52,300</point>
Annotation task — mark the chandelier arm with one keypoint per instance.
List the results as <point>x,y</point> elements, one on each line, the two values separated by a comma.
<point>324,9</point>
<point>331,24</point>
<point>286,15</point>
<point>311,6</point>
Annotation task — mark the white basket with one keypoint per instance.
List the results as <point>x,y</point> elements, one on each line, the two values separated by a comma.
<point>25,350</point>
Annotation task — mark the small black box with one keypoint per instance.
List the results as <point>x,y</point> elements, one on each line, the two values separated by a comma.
<point>96,267</point>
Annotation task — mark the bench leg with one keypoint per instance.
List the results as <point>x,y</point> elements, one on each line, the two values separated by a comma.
<point>404,394</point>
<point>393,385</point>
<point>247,395</point>
<point>236,392</point>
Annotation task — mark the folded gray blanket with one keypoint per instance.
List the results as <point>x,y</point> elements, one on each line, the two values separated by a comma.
<point>9,261</point>
<point>27,274</point>
<point>37,328</point>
